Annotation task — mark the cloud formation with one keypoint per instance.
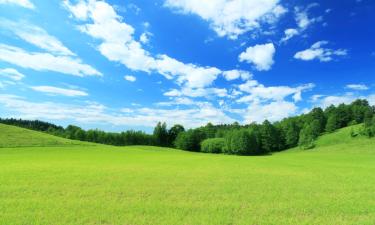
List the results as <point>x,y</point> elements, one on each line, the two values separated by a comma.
<point>261,56</point>
<point>231,18</point>
<point>316,51</point>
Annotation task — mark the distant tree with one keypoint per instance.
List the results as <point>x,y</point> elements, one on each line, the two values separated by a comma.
<point>269,137</point>
<point>212,145</point>
<point>80,134</point>
<point>291,131</point>
<point>209,130</point>
<point>332,123</point>
<point>241,142</point>
<point>190,140</point>
<point>173,133</point>
<point>358,109</point>
<point>161,134</point>
<point>307,137</point>
<point>318,116</point>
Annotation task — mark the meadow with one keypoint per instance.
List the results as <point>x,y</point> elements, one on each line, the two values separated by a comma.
<point>49,180</point>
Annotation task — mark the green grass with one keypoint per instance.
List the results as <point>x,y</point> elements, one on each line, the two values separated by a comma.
<point>332,184</point>
<point>11,136</point>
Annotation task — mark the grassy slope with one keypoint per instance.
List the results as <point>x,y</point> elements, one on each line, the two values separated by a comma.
<point>332,184</point>
<point>11,136</point>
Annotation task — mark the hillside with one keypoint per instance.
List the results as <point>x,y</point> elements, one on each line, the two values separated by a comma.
<point>341,141</point>
<point>331,184</point>
<point>11,136</point>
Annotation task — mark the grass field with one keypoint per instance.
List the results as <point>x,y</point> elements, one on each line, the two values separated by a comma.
<point>80,183</point>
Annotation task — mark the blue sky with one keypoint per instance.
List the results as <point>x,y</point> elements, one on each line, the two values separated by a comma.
<point>118,65</point>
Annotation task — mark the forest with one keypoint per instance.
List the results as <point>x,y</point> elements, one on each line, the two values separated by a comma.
<point>236,139</point>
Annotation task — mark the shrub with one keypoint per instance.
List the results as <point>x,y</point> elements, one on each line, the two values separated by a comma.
<point>212,145</point>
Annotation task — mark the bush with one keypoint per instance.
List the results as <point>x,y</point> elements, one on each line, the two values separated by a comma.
<point>241,142</point>
<point>212,145</point>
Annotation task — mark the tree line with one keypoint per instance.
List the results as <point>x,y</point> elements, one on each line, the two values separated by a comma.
<point>249,139</point>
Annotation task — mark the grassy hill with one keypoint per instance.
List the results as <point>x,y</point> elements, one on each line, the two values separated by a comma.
<point>331,184</point>
<point>11,136</point>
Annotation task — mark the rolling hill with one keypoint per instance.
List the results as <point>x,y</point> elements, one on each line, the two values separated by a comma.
<point>78,183</point>
<point>12,136</point>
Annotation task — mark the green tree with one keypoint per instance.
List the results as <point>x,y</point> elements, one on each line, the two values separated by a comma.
<point>190,140</point>
<point>307,137</point>
<point>269,137</point>
<point>212,145</point>
<point>161,134</point>
<point>241,142</point>
<point>173,133</point>
<point>291,132</point>
<point>332,123</point>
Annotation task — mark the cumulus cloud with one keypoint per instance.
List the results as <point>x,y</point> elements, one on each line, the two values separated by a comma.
<point>235,74</point>
<point>118,44</point>
<point>316,51</point>
<point>22,3</point>
<point>259,55</point>
<point>45,62</point>
<point>357,87</point>
<point>130,78</point>
<point>231,18</point>
<point>59,91</point>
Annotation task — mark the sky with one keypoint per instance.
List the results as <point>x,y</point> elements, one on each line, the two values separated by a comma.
<point>127,64</point>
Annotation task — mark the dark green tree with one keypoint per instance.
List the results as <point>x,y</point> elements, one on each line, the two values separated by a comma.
<point>161,134</point>
<point>173,133</point>
<point>269,137</point>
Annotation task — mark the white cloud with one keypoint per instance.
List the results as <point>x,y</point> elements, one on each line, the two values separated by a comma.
<point>36,36</point>
<point>235,74</point>
<point>347,98</point>
<point>326,101</point>
<point>96,113</point>
<point>260,93</point>
<point>45,62</point>
<point>289,33</point>
<point>22,3</point>
<point>231,18</point>
<point>189,74</point>
<point>358,87</point>
<point>130,78</point>
<point>12,74</point>
<point>259,55</point>
<point>316,51</point>
<point>273,111</point>
<point>198,92</point>
<point>59,91</point>
<point>302,18</point>
<point>144,38</point>
<point>118,44</point>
